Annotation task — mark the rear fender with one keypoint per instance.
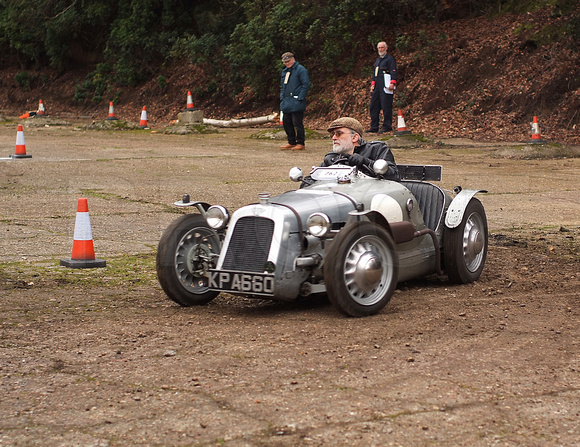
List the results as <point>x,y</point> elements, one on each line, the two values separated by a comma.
<point>456,209</point>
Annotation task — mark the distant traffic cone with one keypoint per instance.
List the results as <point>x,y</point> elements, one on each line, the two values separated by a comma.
<point>401,128</point>
<point>111,116</point>
<point>83,251</point>
<point>536,137</point>
<point>143,122</point>
<point>41,110</point>
<point>20,151</point>
<point>189,107</point>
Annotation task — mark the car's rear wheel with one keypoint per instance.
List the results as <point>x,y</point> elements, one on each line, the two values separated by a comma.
<point>187,249</point>
<point>360,269</point>
<point>465,247</point>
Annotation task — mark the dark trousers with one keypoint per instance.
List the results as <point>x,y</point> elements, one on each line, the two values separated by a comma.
<point>294,127</point>
<point>381,101</point>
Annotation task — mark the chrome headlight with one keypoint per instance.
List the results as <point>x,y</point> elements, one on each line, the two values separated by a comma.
<point>217,217</point>
<point>296,174</point>
<point>318,224</point>
<point>380,166</point>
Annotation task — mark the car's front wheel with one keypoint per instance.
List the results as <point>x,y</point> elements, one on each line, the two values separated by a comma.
<point>465,247</point>
<point>187,249</point>
<point>360,270</point>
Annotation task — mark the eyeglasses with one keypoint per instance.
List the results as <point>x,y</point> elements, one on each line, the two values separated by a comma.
<point>337,133</point>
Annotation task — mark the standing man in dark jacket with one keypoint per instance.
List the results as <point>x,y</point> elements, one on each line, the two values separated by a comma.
<point>383,84</point>
<point>294,86</point>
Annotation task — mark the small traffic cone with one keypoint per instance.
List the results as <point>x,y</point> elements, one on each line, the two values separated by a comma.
<point>189,107</point>
<point>20,151</point>
<point>536,137</point>
<point>111,116</point>
<point>41,110</point>
<point>83,251</point>
<point>143,122</point>
<point>401,128</point>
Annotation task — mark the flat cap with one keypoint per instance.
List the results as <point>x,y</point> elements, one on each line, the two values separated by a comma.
<point>349,123</point>
<point>287,56</point>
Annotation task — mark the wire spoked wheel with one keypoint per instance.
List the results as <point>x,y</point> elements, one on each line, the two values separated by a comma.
<point>186,251</point>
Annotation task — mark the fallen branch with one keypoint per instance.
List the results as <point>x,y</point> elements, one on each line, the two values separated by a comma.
<point>241,122</point>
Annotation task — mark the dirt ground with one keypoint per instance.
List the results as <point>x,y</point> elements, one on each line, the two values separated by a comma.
<point>100,357</point>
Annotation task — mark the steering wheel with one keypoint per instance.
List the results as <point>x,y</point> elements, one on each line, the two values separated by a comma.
<point>336,159</point>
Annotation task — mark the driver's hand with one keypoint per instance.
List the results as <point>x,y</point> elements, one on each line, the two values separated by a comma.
<point>356,160</point>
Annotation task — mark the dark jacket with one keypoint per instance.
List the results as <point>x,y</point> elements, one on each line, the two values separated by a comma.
<point>384,65</point>
<point>293,92</point>
<point>364,157</point>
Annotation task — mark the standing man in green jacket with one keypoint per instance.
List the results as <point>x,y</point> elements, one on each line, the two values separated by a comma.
<point>294,86</point>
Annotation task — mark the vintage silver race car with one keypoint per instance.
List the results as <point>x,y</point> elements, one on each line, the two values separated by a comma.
<point>348,235</point>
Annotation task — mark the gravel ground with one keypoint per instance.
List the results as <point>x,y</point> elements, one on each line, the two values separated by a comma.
<point>100,357</point>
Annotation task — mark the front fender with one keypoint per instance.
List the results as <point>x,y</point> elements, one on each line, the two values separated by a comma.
<point>457,207</point>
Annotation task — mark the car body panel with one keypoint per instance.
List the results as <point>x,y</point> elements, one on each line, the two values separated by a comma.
<point>268,251</point>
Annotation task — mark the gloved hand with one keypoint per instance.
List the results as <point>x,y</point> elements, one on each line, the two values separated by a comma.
<point>329,159</point>
<point>356,160</point>
<point>333,159</point>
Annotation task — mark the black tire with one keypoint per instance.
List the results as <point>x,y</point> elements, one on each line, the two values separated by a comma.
<point>185,252</point>
<point>360,269</point>
<point>465,247</point>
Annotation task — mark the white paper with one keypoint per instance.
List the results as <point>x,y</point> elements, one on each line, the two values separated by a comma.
<point>388,82</point>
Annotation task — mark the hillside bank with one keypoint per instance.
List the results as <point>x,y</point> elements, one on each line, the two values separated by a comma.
<point>482,78</point>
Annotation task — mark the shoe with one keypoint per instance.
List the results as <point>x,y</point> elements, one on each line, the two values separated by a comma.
<point>371,131</point>
<point>287,146</point>
<point>381,132</point>
<point>299,147</point>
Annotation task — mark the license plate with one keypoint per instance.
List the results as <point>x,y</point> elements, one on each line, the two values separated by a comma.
<point>239,282</point>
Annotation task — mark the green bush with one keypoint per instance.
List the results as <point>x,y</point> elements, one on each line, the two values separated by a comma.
<point>95,85</point>
<point>238,43</point>
<point>23,79</point>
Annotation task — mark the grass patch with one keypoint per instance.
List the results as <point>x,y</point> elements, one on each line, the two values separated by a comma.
<point>185,129</point>
<point>538,152</point>
<point>279,134</point>
<point>125,271</point>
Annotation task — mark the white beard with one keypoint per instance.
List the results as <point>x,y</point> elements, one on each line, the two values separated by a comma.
<point>341,149</point>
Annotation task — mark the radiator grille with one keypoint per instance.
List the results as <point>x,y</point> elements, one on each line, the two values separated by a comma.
<point>250,244</point>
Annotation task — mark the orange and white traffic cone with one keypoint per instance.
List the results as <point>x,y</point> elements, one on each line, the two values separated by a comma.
<point>536,137</point>
<point>401,128</point>
<point>41,110</point>
<point>83,251</point>
<point>20,151</point>
<point>189,107</point>
<point>143,122</point>
<point>111,116</point>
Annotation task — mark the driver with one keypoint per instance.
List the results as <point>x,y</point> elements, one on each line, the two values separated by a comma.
<point>349,148</point>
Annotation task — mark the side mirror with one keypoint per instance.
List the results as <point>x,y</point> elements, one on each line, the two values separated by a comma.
<point>381,166</point>
<point>296,174</point>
